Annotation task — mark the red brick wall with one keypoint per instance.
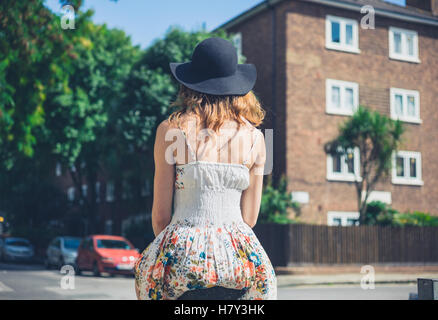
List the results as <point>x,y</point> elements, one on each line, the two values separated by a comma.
<point>301,125</point>
<point>309,64</point>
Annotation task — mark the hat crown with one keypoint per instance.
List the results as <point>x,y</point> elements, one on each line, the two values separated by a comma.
<point>216,57</point>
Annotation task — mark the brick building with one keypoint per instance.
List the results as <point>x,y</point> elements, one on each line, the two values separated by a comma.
<point>117,203</point>
<point>316,63</point>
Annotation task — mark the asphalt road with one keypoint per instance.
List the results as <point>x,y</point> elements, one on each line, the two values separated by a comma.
<point>20,281</point>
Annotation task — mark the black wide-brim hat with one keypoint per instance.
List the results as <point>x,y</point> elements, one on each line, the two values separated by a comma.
<point>214,70</point>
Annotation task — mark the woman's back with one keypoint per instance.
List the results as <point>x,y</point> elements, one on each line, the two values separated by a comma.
<point>233,143</point>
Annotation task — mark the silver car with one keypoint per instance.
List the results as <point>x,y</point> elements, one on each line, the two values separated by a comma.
<point>62,251</point>
<point>16,249</point>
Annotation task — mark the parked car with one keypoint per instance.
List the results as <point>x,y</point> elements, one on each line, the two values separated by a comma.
<point>16,249</point>
<point>104,253</point>
<point>62,251</point>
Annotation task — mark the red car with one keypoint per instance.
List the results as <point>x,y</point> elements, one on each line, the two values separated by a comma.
<point>103,253</point>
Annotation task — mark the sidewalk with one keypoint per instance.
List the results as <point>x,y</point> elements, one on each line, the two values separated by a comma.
<point>350,274</point>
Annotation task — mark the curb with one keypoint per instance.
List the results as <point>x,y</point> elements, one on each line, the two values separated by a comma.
<point>348,279</point>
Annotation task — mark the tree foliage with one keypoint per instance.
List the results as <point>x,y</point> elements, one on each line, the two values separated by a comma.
<point>33,55</point>
<point>276,200</point>
<point>377,137</point>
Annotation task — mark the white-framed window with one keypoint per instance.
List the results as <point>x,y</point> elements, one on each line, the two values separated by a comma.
<point>110,191</point>
<point>71,194</point>
<point>342,218</point>
<point>403,45</point>
<point>341,34</point>
<point>58,169</point>
<point>344,167</point>
<point>406,168</point>
<point>97,190</point>
<point>237,41</point>
<point>342,97</point>
<point>405,105</point>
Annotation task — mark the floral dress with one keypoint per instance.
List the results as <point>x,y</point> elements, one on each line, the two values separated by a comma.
<point>207,243</point>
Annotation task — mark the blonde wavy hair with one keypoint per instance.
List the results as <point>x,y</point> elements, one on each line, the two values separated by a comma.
<point>214,110</point>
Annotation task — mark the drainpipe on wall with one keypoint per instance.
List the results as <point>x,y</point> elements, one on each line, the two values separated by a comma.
<point>271,6</point>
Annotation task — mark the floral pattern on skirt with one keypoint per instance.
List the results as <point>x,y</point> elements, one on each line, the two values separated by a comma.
<point>187,256</point>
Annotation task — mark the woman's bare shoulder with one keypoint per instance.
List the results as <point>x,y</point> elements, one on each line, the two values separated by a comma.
<point>166,125</point>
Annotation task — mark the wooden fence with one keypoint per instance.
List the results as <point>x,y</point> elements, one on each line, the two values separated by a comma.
<point>318,244</point>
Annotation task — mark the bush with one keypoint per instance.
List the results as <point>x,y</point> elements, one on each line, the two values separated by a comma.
<point>379,213</point>
<point>275,202</point>
<point>419,219</point>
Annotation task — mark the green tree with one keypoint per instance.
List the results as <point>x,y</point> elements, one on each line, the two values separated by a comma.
<point>276,201</point>
<point>79,126</point>
<point>377,137</point>
<point>80,85</point>
<point>33,54</point>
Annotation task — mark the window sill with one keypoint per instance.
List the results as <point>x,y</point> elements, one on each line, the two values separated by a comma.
<point>405,59</point>
<point>343,178</point>
<point>342,49</point>
<point>408,120</point>
<point>339,112</point>
<point>409,182</point>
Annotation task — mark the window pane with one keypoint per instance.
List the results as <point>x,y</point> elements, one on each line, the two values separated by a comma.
<point>337,163</point>
<point>400,167</point>
<point>399,104</point>
<point>349,34</point>
<point>337,222</point>
<point>411,106</point>
<point>413,167</point>
<point>350,162</point>
<point>351,222</point>
<point>349,98</point>
<point>336,35</point>
<point>410,44</point>
<point>336,97</point>
<point>397,42</point>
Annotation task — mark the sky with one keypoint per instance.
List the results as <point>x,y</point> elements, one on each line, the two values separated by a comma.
<point>146,20</point>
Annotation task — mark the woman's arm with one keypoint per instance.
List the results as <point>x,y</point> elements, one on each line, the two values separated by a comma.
<point>252,196</point>
<point>164,180</point>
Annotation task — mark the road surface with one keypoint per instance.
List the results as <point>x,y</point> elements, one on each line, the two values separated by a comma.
<point>20,281</point>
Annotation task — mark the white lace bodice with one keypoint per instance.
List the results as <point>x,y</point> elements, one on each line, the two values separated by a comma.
<point>209,192</point>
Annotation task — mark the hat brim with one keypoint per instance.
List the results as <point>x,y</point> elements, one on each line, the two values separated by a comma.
<point>240,83</point>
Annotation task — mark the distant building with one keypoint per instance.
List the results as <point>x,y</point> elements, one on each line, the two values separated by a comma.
<point>117,203</point>
<point>316,63</point>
